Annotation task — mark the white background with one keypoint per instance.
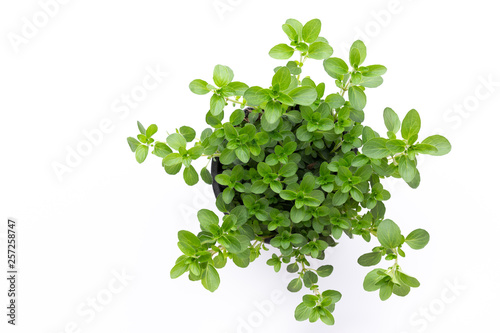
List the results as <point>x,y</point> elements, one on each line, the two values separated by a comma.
<point>108,215</point>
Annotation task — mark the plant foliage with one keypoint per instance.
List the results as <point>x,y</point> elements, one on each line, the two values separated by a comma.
<point>301,171</point>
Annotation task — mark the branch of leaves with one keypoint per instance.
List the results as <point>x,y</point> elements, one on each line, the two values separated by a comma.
<point>392,280</point>
<point>225,87</point>
<point>303,195</point>
<point>318,306</point>
<point>349,183</point>
<point>141,146</point>
<point>242,143</point>
<point>307,277</point>
<point>283,93</point>
<point>304,39</point>
<point>272,177</point>
<point>198,251</point>
<point>404,151</point>
<point>173,161</point>
<point>356,80</point>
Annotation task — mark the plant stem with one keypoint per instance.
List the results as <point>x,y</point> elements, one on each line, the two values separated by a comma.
<point>234,101</point>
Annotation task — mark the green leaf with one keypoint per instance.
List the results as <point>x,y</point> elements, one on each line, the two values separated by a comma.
<point>417,239</point>
<point>217,104</point>
<point>161,149</point>
<point>370,259</point>
<point>440,142</point>
<point>255,96</point>
<point>314,316</point>
<point>238,87</point>
<point>290,32</point>
<point>360,160</point>
<point>391,120</point>
<point>189,238</point>
<point>354,57</point>
<point>333,294</point>
<point>141,128</point>
<point>288,170</point>
<point>356,194</point>
<point>207,218</point>
<point>206,176</point>
<point>335,67</point>
<point>385,291</point>
<point>320,50</point>
<point>227,156</point>
<point>325,270</point>
<point>258,187</point>
<point>335,100</point>
<point>389,234</point>
<point>410,125</point>
<point>237,117</point>
<point>396,146</point>
<point>199,87</point>
<point>178,270</point>
<point>172,159</point>
<point>310,278</point>
<point>281,51</point>
<point>374,70</point>
<point>176,140</point>
<point>295,285</point>
<point>303,95</point>
<point>188,133</point>
<point>372,278</point>
<point>311,31</point>
<point>211,279</point>
<point>243,154</point>
<point>231,243</point>
<point>376,148</point>
<point>273,111</point>
<point>401,290</point>
<point>141,153</point>
<point>307,184</point>
<point>424,148</point>
<point>302,312</point>
<point>152,129</point>
<point>288,195</point>
<point>222,75</point>
<point>310,300</point>
<point>407,168</point>
<point>173,169</point>
<point>297,26</point>
<point>339,198</point>
<point>133,143</point>
<point>282,78</point>
<point>361,50</point>
<point>408,280</point>
<point>190,176</point>
<point>357,98</point>
<point>327,318</point>
<point>371,82</point>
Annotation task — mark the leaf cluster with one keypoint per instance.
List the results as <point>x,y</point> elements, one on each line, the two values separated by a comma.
<point>300,171</point>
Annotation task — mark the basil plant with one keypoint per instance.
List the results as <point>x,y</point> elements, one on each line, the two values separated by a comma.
<point>298,171</point>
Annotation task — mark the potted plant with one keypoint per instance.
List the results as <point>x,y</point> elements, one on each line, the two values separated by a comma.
<point>295,167</point>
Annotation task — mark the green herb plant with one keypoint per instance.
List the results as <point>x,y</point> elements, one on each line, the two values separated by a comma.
<point>300,172</point>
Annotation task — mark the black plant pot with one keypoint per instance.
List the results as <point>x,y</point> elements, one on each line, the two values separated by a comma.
<point>215,169</point>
